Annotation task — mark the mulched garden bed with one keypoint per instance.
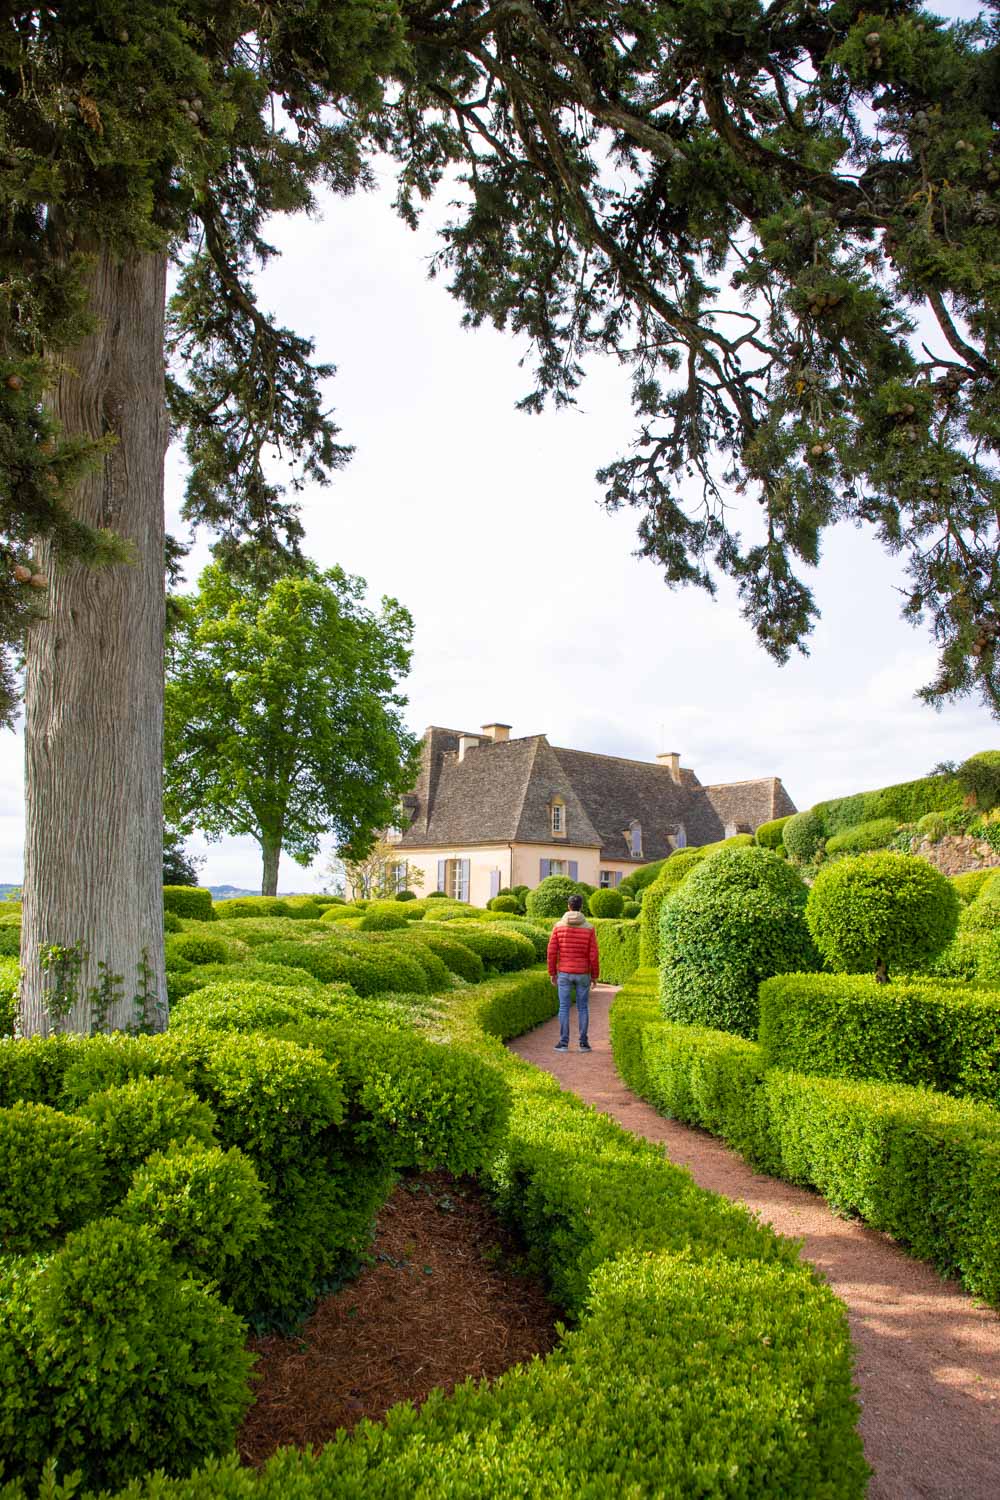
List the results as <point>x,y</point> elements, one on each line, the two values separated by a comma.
<point>443,1300</point>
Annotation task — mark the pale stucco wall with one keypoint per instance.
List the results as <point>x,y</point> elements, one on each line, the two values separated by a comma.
<point>528,858</point>
<point>482,862</point>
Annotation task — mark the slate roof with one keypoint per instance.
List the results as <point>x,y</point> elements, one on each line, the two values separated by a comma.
<point>502,793</point>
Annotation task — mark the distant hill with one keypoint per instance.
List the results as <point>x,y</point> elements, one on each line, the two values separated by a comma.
<point>7,891</point>
<point>226,892</point>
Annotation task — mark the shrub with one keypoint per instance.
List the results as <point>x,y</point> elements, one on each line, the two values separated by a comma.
<point>240,907</point>
<point>983,913</point>
<point>251,973</point>
<point>631,910</point>
<point>504,903</point>
<point>172,922</point>
<point>190,901</point>
<point>768,835</point>
<point>537,936</point>
<point>979,778</point>
<point>10,939</point>
<point>607,903</point>
<point>932,826</point>
<point>802,836</point>
<point>915,1163</point>
<point>51,1175</point>
<point>436,971</point>
<point>739,918</point>
<point>675,871</point>
<point>970,884</point>
<point>406,895</point>
<point>440,895</point>
<point>862,837</point>
<point>206,1204</point>
<point>254,932</point>
<point>639,879</point>
<point>259,1007</point>
<point>108,1360</point>
<point>33,1068</point>
<point>551,896</point>
<point>905,803</point>
<point>919,1032</point>
<point>382,921</point>
<point>335,914</point>
<point>367,968</point>
<point>458,956</point>
<point>10,988</point>
<point>881,911</point>
<point>503,951</point>
<point>135,1119</point>
<point>618,948</point>
<point>189,948</point>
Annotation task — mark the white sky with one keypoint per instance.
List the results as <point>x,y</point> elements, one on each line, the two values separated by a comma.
<point>528,603</point>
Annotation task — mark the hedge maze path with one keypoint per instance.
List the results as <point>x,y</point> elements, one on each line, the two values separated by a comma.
<point>928,1357</point>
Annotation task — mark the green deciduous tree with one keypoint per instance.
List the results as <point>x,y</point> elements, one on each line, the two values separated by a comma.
<point>282,716</point>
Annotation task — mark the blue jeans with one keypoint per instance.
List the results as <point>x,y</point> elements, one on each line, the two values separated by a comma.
<point>565,984</point>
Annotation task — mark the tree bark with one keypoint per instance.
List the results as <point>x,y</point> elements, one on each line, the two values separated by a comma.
<point>271,847</point>
<point>94,693</point>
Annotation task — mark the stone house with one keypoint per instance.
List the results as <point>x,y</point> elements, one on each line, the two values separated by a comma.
<point>490,811</point>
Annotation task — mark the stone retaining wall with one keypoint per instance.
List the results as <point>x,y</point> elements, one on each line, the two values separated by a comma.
<point>958,852</point>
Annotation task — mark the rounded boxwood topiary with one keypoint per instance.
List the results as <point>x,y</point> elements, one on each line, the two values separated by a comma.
<point>880,912</point>
<point>551,895</point>
<point>607,903</point>
<point>675,871</point>
<point>631,910</point>
<point>135,1119</point>
<point>802,836</point>
<point>455,954</point>
<point>769,835</point>
<point>406,895</point>
<point>440,895</point>
<point>51,1175</point>
<point>382,921</point>
<point>504,903</point>
<point>183,949</point>
<point>739,918</point>
<point>875,834</point>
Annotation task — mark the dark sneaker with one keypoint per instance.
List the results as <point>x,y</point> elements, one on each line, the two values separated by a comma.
<point>561,1047</point>
<point>586,1047</point>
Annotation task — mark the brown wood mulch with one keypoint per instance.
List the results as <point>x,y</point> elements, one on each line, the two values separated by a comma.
<point>443,1299</point>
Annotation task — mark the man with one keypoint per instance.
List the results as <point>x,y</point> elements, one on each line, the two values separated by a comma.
<point>573,963</point>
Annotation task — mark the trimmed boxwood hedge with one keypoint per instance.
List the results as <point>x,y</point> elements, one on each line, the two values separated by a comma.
<point>458,956</point>
<point>922,1032</point>
<point>618,948</point>
<point>904,803</point>
<point>191,901</point>
<point>51,1176</point>
<point>10,984</point>
<point>914,1162</point>
<point>768,835</point>
<point>875,834</point>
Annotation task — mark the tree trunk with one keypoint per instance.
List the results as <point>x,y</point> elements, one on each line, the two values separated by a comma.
<point>94,696</point>
<point>271,847</point>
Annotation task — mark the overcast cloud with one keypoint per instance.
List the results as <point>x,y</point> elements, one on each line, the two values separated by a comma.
<point>528,603</point>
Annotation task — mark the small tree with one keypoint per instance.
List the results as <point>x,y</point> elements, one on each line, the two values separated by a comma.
<point>282,719</point>
<point>370,874</point>
<point>881,911</point>
<point>179,867</point>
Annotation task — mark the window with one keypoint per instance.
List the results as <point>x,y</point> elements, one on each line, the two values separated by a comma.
<point>456,879</point>
<point>557,810</point>
<point>635,839</point>
<point>558,867</point>
<point>609,879</point>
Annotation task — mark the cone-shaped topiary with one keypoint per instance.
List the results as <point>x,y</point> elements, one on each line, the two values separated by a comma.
<point>738,918</point>
<point>880,912</point>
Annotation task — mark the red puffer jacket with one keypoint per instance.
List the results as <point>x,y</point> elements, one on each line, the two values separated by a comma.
<point>573,947</point>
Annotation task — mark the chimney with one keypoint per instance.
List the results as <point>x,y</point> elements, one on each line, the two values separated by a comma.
<point>466,742</point>
<point>672,761</point>
<point>498,733</point>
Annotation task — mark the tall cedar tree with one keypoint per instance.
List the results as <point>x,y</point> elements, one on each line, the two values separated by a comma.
<point>282,717</point>
<point>783,217</point>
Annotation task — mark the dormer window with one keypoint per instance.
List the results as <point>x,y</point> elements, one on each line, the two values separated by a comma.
<point>635,839</point>
<point>557,813</point>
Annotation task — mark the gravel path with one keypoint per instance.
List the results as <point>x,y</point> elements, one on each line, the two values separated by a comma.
<point>928,1358</point>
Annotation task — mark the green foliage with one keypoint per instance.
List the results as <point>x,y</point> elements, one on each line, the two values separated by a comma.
<point>172,922</point>
<point>194,948</point>
<point>919,1032</point>
<point>673,874</point>
<point>250,973</point>
<point>551,896</point>
<point>922,1166</point>
<point>369,968</point>
<point>436,971</point>
<point>206,1204</point>
<point>457,955</point>
<point>189,901</point>
<point>10,986</point>
<point>106,1358</point>
<point>382,921</point>
<point>51,1176</point>
<point>607,903</point>
<point>258,1006</point>
<point>638,880</point>
<point>618,947</point>
<point>406,895</point>
<point>904,803</point>
<point>537,936</point>
<point>34,1067</point>
<point>739,918</point>
<point>10,939</point>
<point>802,836</point>
<point>863,836</point>
<point>505,903</point>
<point>136,1118</point>
<point>933,826</point>
<point>237,761</point>
<point>237,907</point>
<point>500,949</point>
<point>631,910</point>
<point>979,778</point>
<point>769,835</point>
<point>881,908</point>
<point>970,884</point>
<point>983,912</point>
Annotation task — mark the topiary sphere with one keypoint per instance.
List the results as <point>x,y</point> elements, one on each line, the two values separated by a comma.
<point>738,918</point>
<point>406,895</point>
<point>551,895</point>
<point>382,921</point>
<point>802,836</point>
<point>631,910</point>
<point>504,903</point>
<point>607,903</point>
<point>881,912</point>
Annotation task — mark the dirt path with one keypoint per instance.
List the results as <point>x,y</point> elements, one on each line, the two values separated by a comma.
<point>928,1358</point>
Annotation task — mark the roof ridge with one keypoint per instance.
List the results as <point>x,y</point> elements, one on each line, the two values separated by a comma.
<point>715,786</point>
<point>628,760</point>
<point>519,808</point>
